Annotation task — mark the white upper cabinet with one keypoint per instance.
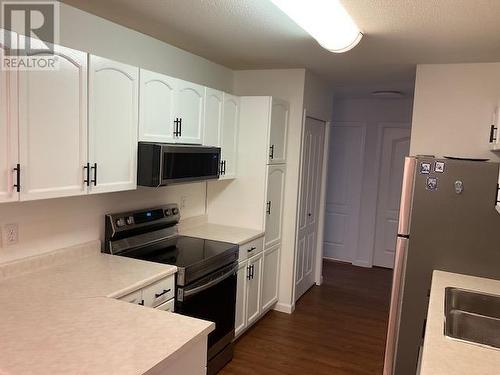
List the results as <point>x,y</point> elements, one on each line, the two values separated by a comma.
<point>213,118</point>
<point>278,131</point>
<point>229,136</point>
<point>53,128</point>
<point>113,125</point>
<point>8,131</point>
<point>190,106</point>
<point>157,107</point>
<point>274,204</point>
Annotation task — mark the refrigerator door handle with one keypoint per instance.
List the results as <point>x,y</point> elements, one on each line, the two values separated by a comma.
<point>407,196</point>
<point>395,310</point>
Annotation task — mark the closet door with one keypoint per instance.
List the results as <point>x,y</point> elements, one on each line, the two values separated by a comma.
<point>157,94</point>
<point>278,131</point>
<point>274,204</point>
<point>9,156</point>
<point>113,125</point>
<point>190,106</point>
<point>53,127</point>
<point>229,142</point>
<point>213,118</point>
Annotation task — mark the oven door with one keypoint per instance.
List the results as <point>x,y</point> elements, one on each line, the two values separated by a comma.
<point>212,298</point>
<point>189,163</point>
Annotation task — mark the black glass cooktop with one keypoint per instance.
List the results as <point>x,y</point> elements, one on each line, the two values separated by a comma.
<point>186,251</point>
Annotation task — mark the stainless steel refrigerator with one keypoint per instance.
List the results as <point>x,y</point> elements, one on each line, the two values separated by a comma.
<point>447,221</point>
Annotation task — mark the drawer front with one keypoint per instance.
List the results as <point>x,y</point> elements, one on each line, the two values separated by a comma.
<point>135,297</point>
<point>251,248</point>
<point>167,306</point>
<point>159,292</point>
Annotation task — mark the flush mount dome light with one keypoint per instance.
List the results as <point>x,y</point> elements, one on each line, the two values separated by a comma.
<point>326,20</point>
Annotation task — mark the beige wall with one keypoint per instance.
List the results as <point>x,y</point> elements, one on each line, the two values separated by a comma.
<point>49,224</point>
<point>318,97</point>
<point>453,109</point>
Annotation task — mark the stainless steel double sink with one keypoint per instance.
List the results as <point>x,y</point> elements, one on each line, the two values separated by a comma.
<point>472,316</point>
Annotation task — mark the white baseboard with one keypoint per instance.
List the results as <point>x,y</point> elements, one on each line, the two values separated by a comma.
<point>362,264</point>
<point>284,308</point>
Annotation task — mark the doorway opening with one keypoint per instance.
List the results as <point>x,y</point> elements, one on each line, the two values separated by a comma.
<point>369,140</point>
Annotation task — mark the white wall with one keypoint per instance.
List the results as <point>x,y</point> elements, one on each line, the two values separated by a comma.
<point>49,224</point>
<point>371,113</point>
<point>89,33</point>
<point>453,109</point>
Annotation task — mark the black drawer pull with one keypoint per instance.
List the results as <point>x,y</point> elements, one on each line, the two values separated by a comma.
<point>165,291</point>
<point>251,249</point>
<point>141,303</point>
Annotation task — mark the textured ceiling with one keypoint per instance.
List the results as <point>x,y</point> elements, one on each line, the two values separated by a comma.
<point>254,34</point>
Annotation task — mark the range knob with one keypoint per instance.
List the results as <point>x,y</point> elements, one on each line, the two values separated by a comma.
<point>175,211</point>
<point>130,220</point>
<point>120,222</point>
<point>168,212</point>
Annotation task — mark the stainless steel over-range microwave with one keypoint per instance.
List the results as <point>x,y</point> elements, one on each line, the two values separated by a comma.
<point>161,164</point>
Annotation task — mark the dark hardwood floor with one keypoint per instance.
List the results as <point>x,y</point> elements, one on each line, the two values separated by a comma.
<point>337,328</point>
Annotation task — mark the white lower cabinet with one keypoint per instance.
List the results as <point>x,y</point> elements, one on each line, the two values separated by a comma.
<point>254,288</point>
<point>270,277</point>
<point>241,291</point>
<point>257,283</point>
<point>159,295</point>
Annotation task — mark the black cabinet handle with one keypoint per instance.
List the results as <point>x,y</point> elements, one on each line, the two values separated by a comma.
<point>180,127</point>
<point>177,128</point>
<point>141,303</point>
<point>165,291</point>
<point>249,275</point>
<point>253,270</point>
<point>271,154</point>
<point>497,201</point>
<point>17,185</point>
<point>268,209</point>
<point>493,137</point>
<point>251,249</point>
<point>94,168</point>
<point>86,168</point>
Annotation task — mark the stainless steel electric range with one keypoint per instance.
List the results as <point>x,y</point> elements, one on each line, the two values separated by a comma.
<point>206,278</point>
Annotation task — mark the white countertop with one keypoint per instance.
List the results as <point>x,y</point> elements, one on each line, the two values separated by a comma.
<point>443,355</point>
<point>60,320</point>
<point>222,233</point>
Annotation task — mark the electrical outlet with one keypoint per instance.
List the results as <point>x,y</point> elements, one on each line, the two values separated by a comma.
<point>11,234</point>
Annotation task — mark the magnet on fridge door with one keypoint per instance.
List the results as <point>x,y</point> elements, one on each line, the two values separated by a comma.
<point>425,168</point>
<point>439,166</point>
<point>431,184</point>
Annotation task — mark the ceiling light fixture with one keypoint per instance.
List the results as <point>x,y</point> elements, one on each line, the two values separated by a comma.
<point>326,20</point>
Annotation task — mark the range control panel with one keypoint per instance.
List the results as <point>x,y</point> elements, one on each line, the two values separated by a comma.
<point>168,214</point>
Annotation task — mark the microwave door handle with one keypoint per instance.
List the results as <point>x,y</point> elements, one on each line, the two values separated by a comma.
<point>201,288</point>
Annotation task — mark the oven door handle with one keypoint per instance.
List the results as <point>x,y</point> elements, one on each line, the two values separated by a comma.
<point>201,288</point>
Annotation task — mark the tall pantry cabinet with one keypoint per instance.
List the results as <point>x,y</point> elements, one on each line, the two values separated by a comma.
<point>258,192</point>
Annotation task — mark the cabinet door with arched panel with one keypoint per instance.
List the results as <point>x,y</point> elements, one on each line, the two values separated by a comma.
<point>278,131</point>
<point>157,107</point>
<point>190,111</point>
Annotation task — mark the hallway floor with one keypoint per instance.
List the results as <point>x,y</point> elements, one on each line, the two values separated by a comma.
<point>338,328</point>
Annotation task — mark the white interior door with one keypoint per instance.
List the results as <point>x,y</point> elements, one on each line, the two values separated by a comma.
<point>343,197</point>
<point>53,128</point>
<point>190,105</point>
<point>213,117</point>
<point>229,142</point>
<point>9,156</point>
<point>157,107</point>
<point>274,204</point>
<point>278,131</point>
<point>312,167</point>
<point>395,147</point>
<point>113,124</point>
